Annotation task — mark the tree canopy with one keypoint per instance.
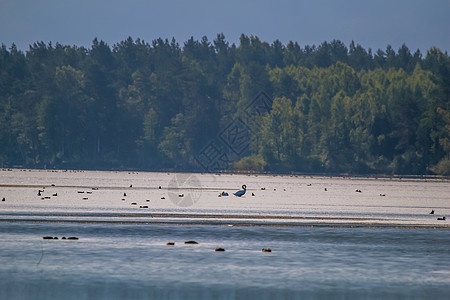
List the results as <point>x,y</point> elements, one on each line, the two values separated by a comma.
<point>212,106</point>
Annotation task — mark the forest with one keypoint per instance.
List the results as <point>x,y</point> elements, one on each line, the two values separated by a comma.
<point>211,106</point>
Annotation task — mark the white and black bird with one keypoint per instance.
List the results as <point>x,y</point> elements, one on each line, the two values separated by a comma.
<point>241,192</point>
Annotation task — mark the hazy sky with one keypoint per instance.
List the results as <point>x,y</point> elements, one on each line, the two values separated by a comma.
<point>371,23</point>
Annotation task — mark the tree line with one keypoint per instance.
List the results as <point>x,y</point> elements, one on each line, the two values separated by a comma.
<point>194,107</point>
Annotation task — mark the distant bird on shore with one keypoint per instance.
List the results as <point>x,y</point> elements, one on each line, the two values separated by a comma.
<point>441,219</point>
<point>432,212</point>
<point>241,192</point>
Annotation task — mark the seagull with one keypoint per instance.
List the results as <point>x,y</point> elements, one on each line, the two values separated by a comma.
<point>241,192</point>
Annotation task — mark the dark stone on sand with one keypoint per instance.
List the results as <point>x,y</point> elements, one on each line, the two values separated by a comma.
<point>191,242</point>
<point>74,238</point>
<point>170,243</point>
<point>266,250</point>
<point>220,250</point>
<point>47,237</point>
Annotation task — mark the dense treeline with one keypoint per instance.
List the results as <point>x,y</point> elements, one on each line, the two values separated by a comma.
<point>164,106</point>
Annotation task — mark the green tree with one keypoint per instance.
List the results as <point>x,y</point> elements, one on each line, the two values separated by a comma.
<point>281,135</point>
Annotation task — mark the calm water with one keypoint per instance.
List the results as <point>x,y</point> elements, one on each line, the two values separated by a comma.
<point>333,243</point>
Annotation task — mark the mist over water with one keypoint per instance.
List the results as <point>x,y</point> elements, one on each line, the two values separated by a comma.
<point>333,243</point>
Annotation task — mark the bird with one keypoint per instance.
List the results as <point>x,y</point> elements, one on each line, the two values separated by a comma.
<point>241,192</point>
<point>432,212</point>
<point>224,194</point>
<point>441,219</point>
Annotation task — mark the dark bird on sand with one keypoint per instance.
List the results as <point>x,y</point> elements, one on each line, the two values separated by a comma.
<point>241,192</point>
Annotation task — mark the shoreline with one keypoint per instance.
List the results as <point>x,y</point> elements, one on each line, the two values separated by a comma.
<point>192,223</point>
<point>393,177</point>
<point>194,219</point>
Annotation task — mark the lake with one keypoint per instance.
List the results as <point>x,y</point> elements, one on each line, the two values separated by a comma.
<point>330,237</point>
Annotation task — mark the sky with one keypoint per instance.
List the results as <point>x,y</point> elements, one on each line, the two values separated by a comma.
<point>420,24</point>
